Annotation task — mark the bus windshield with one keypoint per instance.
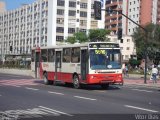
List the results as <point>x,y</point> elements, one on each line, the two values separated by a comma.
<point>105,59</point>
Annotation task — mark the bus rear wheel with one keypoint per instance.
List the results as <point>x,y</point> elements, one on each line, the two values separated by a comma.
<point>105,86</point>
<point>76,83</point>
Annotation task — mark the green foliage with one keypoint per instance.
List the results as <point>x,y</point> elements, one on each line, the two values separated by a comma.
<point>98,34</point>
<point>134,62</point>
<point>151,40</point>
<point>94,35</point>
<point>71,40</point>
<point>81,37</point>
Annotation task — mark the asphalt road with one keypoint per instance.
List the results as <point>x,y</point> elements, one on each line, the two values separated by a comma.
<point>22,97</point>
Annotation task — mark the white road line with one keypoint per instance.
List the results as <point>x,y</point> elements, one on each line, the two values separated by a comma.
<point>57,93</point>
<point>84,98</point>
<point>142,90</point>
<point>16,86</point>
<point>48,111</point>
<point>31,88</point>
<point>55,111</point>
<point>134,107</point>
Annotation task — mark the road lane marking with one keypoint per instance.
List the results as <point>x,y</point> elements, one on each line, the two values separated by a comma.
<point>55,111</point>
<point>84,98</point>
<point>31,88</point>
<point>16,86</point>
<point>142,90</point>
<point>134,107</point>
<point>57,93</point>
<point>44,111</point>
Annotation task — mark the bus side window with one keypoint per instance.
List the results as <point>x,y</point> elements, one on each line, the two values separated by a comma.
<point>75,58</point>
<point>51,53</point>
<point>66,55</point>
<point>44,55</point>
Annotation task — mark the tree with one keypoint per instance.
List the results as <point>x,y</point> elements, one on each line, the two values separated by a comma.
<point>134,62</point>
<point>71,40</point>
<point>98,34</point>
<point>81,37</point>
<point>152,43</point>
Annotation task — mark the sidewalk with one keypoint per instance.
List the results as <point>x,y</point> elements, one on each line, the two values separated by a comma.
<point>135,79</point>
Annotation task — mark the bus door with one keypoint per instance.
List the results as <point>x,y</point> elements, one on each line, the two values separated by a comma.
<point>58,64</point>
<point>37,65</point>
<point>84,64</point>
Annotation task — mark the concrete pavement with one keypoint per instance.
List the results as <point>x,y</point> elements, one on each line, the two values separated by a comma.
<point>135,79</point>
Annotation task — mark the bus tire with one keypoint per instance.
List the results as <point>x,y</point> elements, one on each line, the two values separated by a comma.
<point>45,79</point>
<point>104,86</point>
<point>76,83</point>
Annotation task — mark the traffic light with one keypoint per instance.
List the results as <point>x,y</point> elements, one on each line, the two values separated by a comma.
<point>97,10</point>
<point>10,48</point>
<point>119,33</point>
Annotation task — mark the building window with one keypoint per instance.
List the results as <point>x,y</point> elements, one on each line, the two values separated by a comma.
<point>72,4</point>
<point>128,40</point>
<point>83,5</point>
<point>60,2</point>
<point>59,38</point>
<point>72,13</point>
<point>127,48</point>
<point>83,14</point>
<point>121,40</point>
<point>60,29</point>
<point>83,23</point>
<point>71,30</point>
<point>60,12</point>
<point>83,30</point>
<point>60,20</point>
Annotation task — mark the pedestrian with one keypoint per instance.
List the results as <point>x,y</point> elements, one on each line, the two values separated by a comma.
<point>126,69</point>
<point>154,74</point>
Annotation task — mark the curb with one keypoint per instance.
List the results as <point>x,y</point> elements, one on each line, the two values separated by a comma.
<point>155,86</point>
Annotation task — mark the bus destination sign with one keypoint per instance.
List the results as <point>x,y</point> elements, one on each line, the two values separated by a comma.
<point>104,45</point>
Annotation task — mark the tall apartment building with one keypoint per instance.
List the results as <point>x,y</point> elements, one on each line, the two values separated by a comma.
<point>156,12</point>
<point>113,20</point>
<point>45,23</point>
<point>142,12</point>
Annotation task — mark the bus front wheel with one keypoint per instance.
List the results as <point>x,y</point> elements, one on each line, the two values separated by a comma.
<point>76,83</point>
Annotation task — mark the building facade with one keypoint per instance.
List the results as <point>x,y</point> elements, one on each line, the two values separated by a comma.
<point>142,12</point>
<point>113,20</point>
<point>44,23</point>
<point>127,45</point>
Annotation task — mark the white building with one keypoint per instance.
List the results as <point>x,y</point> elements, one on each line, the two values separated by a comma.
<point>127,45</point>
<point>45,23</point>
<point>131,9</point>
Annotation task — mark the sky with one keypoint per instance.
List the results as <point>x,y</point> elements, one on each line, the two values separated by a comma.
<point>13,4</point>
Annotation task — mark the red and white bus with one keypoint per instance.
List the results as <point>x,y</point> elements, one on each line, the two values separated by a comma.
<point>88,63</point>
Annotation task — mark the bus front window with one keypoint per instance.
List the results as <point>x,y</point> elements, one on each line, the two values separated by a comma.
<point>105,59</point>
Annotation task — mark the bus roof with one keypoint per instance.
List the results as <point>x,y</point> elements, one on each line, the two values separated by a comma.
<point>72,45</point>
